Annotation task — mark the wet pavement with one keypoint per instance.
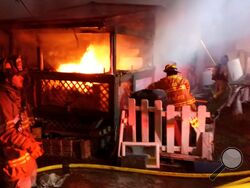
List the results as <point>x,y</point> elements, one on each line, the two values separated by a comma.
<point>231,131</point>
<point>95,178</point>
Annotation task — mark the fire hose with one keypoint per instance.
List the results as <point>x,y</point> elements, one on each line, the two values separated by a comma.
<point>143,171</point>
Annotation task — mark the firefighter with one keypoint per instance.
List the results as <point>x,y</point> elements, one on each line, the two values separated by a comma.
<point>220,76</point>
<point>221,87</point>
<point>176,86</point>
<point>178,93</point>
<point>19,149</point>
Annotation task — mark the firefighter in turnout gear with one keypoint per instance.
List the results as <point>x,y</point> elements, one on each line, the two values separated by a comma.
<point>19,149</point>
<point>176,87</point>
<point>222,89</point>
<point>178,93</point>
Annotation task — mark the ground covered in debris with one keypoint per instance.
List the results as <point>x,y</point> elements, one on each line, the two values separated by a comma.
<point>233,131</point>
<point>230,131</point>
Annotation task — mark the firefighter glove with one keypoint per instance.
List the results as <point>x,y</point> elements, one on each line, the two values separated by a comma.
<point>35,150</point>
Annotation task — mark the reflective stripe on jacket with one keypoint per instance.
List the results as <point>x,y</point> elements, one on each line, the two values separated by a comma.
<point>15,137</point>
<point>177,89</point>
<point>19,161</point>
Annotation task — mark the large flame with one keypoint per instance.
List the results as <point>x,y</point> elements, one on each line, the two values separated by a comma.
<point>93,61</point>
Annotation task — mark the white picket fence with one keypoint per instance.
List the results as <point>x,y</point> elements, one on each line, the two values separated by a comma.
<point>204,140</point>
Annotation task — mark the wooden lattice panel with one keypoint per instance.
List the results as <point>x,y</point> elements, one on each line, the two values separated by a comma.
<point>104,97</point>
<point>76,94</point>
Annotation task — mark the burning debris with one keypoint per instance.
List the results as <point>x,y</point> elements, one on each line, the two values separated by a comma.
<point>82,76</point>
<point>84,70</point>
<point>90,62</point>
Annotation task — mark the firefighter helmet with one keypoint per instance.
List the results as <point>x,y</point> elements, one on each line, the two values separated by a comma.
<point>170,68</point>
<point>9,66</point>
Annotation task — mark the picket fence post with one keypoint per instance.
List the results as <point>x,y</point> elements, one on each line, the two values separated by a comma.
<point>132,117</point>
<point>158,121</point>
<point>172,129</point>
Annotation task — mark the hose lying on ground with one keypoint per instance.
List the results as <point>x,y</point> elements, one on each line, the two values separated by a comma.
<point>143,171</point>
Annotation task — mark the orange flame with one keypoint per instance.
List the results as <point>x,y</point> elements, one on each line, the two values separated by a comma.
<point>94,60</point>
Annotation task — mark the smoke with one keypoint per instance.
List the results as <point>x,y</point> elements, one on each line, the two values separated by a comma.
<point>180,29</point>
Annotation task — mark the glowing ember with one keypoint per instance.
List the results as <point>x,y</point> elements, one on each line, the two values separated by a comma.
<point>93,61</point>
<point>82,87</point>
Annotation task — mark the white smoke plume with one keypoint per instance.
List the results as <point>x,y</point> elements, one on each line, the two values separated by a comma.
<point>180,29</point>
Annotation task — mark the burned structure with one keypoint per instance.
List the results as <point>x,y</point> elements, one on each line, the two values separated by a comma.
<point>83,66</point>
